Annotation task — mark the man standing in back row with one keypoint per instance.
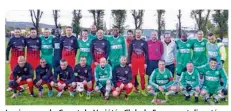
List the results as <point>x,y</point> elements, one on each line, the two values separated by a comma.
<point>46,48</point>
<point>155,51</point>
<point>33,44</point>
<point>138,58</point>
<point>117,47</point>
<point>69,46</point>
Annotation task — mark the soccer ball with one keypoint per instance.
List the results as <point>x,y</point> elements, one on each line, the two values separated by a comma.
<point>80,87</point>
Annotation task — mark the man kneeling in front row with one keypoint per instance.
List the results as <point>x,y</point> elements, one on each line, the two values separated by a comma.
<point>190,82</point>
<point>22,74</point>
<point>121,77</point>
<point>83,77</point>
<point>66,78</point>
<point>161,80</point>
<point>103,78</point>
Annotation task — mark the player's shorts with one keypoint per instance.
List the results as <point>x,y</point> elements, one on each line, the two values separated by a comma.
<point>114,63</point>
<point>102,83</point>
<point>118,85</point>
<point>151,65</point>
<point>180,68</point>
<point>70,57</point>
<point>165,90</point>
<point>48,58</point>
<point>34,62</point>
<point>138,65</point>
<point>211,90</point>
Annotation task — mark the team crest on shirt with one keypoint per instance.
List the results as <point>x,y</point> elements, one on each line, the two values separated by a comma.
<point>37,41</point>
<point>217,73</point>
<point>50,41</point>
<point>126,72</point>
<point>188,45</point>
<point>78,70</point>
<point>85,71</point>
<point>142,44</point>
<point>207,72</point>
<point>103,43</point>
<point>202,43</point>
<point>71,41</point>
<point>193,77</point>
<point>165,76</point>
<point>66,73</point>
<point>87,44</point>
<point>25,69</point>
<point>22,41</point>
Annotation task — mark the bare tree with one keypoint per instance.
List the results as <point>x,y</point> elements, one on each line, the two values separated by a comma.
<point>36,17</point>
<point>56,16</point>
<point>160,21</point>
<point>98,18</point>
<point>138,18</point>
<point>179,24</point>
<point>201,20</point>
<point>77,15</point>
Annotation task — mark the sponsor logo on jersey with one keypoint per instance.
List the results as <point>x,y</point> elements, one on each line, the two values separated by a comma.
<point>47,46</point>
<point>116,46</point>
<point>184,50</point>
<point>161,81</point>
<point>210,78</point>
<point>85,49</point>
<point>199,49</point>
<point>211,53</point>
<point>57,46</point>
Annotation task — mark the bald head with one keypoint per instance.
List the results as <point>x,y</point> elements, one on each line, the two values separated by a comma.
<point>103,62</point>
<point>100,34</point>
<point>189,67</point>
<point>21,61</point>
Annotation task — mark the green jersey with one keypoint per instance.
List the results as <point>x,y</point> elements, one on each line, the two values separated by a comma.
<point>47,49</point>
<point>199,57</point>
<point>188,78</point>
<point>91,36</point>
<point>158,78</point>
<point>84,50</point>
<point>103,74</point>
<point>117,49</point>
<point>183,51</point>
<point>213,77</point>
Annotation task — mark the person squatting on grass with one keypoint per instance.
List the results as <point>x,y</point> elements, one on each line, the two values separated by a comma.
<point>121,78</point>
<point>66,78</point>
<point>103,78</point>
<point>83,77</point>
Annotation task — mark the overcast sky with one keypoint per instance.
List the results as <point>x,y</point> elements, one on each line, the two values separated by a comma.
<point>150,18</point>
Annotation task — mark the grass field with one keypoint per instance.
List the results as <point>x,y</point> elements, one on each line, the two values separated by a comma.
<point>134,99</point>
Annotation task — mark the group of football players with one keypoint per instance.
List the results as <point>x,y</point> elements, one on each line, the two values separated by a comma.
<point>112,63</point>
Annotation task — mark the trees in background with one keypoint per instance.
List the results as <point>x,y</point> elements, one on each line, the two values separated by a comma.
<point>220,17</point>
<point>119,17</point>
<point>98,16</point>
<point>77,15</point>
<point>138,18</point>
<point>160,22</point>
<point>36,16</point>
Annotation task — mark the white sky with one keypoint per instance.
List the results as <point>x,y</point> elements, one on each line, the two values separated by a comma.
<point>66,18</point>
